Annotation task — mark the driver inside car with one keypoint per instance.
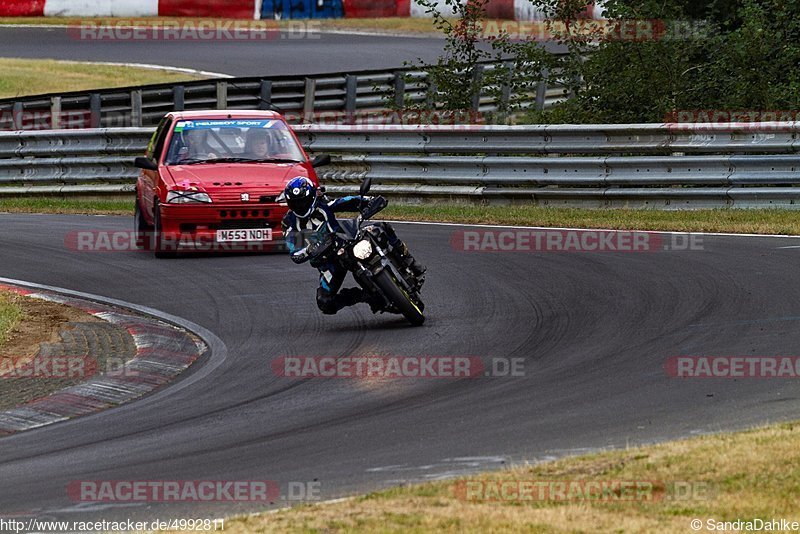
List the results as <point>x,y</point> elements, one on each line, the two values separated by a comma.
<point>257,144</point>
<point>197,147</point>
<point>311,213</point>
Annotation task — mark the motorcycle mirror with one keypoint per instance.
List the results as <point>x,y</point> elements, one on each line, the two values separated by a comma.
<point>365,186</point>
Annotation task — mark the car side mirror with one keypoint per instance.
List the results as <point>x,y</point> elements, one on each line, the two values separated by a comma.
<point>145,163</point>
<point>321,160</point>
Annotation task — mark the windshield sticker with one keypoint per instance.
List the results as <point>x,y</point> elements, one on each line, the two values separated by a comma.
<point>217,124</point>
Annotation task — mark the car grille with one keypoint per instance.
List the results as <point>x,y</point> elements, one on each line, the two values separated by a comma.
<point>235,197</point>
<point>240,224</point>
<point>243,213</point>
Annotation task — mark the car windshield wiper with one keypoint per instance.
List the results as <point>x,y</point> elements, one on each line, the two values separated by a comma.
<point>256,160</point>
<point>192,161</point>
<point>232,160</point>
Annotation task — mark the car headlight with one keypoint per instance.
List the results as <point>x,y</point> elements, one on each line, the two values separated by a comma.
<point>363,249</point>
<point>187,197</point>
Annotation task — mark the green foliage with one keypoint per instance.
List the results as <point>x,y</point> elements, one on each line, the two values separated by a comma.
<point>743,55</point>
<point>455,79</point>
<point>705,55</point>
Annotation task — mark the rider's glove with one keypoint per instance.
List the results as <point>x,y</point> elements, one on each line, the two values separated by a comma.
<point>301,256</point>
<point>379,202</point>
<point>375,205</point>
<point>316,251</point>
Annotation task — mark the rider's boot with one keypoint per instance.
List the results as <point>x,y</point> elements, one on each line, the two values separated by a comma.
<point>354,295</point>
<point>408,260</point>
<point>376,303</point>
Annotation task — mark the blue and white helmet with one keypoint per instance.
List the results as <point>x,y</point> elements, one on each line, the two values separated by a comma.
<point>301,196</point>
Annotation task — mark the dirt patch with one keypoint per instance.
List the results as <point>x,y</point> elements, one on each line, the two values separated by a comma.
<point>55,346</point>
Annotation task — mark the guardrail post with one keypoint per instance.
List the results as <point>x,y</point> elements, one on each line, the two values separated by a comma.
<point>505,91</point>
<point>136,108</point>
<point>541,90</point>
<point>16,116</point>
<point>265,95</point>
<point>222,95</point>
<point>430,95</point>
<point>179,98</point>
<point>351,88</point>
<point>477,84</point>
<point>55,112</point>
<point>399,89</point>
<point>95,109</point>
<point>309,99</point>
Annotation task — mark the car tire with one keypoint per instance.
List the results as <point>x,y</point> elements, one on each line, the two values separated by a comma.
<point>158,242</point>
<point>142,231</point>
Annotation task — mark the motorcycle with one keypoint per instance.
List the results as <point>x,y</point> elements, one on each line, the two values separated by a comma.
<point>362,248</point>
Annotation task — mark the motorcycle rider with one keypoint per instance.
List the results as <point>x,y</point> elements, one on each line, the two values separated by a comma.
<point>313,214</point>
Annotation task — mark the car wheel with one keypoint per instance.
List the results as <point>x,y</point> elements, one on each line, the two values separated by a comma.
<point>142,231</point>
<point>160,249</point>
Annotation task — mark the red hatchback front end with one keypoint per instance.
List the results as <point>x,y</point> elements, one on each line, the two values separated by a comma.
<point>211,180</point>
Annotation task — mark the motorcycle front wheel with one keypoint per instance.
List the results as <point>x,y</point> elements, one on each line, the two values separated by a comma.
<point>392,290</point>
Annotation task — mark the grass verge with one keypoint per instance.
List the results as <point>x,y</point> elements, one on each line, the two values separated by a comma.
<point>725,477</point>
<point>392,25</point>
<point>760,221</point>
<point>67,206</point>
<point>22,77</point>
<point>10,314</point>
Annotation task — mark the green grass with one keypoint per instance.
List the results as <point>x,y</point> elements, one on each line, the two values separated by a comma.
<point>10,314</point>
<point>22,77</point>
<point>382,24</point>
<point>760,221</point>
<point>67,206</point>
<point>743,475</point>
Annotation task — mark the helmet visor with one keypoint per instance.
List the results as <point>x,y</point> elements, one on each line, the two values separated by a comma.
<point>301,206</point>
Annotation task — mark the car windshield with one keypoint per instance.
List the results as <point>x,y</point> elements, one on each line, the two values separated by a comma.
<point>233,141</point>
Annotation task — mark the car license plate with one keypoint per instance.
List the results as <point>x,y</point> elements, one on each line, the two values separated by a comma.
<point>241,236</point>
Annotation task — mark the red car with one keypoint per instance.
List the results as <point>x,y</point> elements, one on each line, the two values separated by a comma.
<point>210,181</point>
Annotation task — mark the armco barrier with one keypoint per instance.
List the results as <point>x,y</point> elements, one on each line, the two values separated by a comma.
<point>345,94</point>
<point>641,165</point>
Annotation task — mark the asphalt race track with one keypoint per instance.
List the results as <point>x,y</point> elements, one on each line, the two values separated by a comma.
<point>595,330</point>
<point>314,53</point>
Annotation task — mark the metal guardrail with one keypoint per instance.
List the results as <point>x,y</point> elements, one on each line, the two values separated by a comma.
<point>346,95</point>
<point>649,165</point>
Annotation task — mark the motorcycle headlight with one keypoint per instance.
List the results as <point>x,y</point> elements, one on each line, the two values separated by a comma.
<point>363,249</point>
<point>187,197</point>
